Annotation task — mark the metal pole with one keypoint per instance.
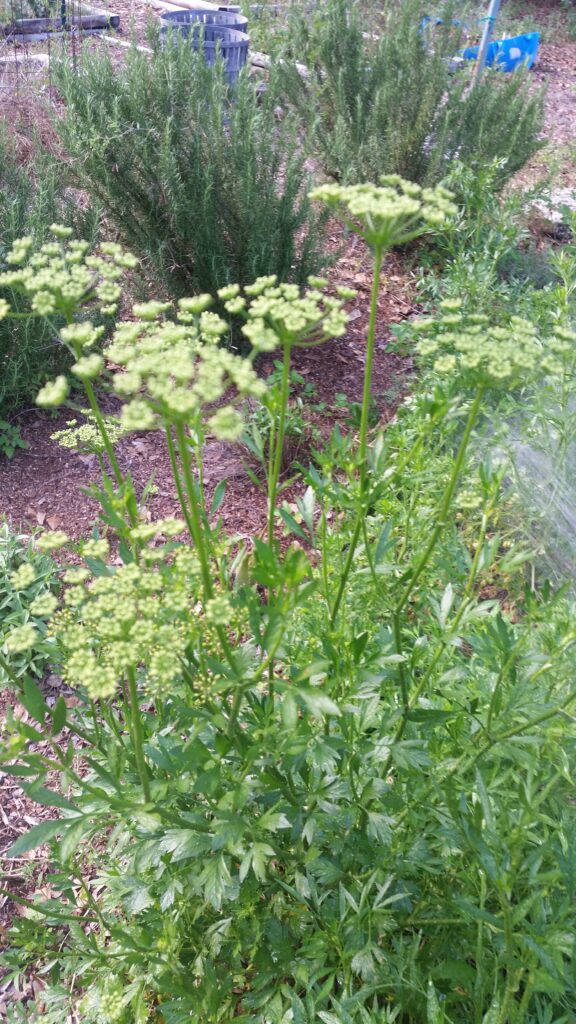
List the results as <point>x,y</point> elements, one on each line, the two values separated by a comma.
<point>489,21</point>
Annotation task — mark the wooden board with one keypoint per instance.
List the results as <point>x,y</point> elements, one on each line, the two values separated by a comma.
<point>35,26</point>
<point>184,5</point>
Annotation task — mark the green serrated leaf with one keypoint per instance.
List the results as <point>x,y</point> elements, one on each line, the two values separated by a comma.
<point>33,700</point>
<point>59,713</point>
<point>218,497</point>
<point>318,703</point>
<point>291,523</point>
<point>48,797</point>
<point>35,837</point>
<point>72,838</point>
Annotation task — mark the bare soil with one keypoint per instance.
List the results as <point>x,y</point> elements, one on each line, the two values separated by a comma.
<point>45,485</point>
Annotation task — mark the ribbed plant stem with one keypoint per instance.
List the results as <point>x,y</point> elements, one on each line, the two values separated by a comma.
<point>364,421</point>
<point>137,735</point>
<point>279,443</point>
<point>177,481</point>
<point>195,521</point>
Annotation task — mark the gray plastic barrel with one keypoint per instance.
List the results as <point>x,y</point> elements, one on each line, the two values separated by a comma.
<point>212,19</point>
<point>218,32</point>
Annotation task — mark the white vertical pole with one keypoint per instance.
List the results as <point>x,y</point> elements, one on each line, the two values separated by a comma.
<point>486,37</point>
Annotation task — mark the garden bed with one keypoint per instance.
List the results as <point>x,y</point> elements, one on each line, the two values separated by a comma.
<point>44,486</point>
<point>53,495</point>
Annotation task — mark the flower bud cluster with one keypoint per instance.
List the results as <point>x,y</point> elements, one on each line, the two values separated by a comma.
<point>139,618</point>
<point>171,370</point>
<point>52,540</point>
<point>44,605</point>
<point>278,314</point>
<point>23,577</point>
<point>61,276</point>
<point>391,213</point>
<point>111,1003</point>
<point>170,363</point>
<point>482,355</point>
<point>86,437</point>
<point>21,639</point>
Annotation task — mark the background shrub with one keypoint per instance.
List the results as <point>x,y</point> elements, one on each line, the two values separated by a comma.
<point>391,104</point>
<point>206,190</point>
<point>28,204</point>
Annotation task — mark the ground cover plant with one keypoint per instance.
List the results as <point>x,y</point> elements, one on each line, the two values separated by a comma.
<point>324,779</point>
<point>29,583</point>
<point>207,191</point>
<point>392,103</point>
<point>488,254</point>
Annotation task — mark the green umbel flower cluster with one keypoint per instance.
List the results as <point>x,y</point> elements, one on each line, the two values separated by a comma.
<point>86,437</point>
<point>139,618</point>
<point>170,362</point>
<point>21,639</point>
<point>480,355</point>
<point>61,276</point>
<point>170,371</point>
<point>389,214</point>
<point>280,314</point>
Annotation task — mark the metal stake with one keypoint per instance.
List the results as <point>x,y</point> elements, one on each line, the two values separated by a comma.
<point>489,21</point>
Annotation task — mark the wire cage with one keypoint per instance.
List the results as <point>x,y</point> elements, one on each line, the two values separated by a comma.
<point>214,32</point>
<point>31,32</point>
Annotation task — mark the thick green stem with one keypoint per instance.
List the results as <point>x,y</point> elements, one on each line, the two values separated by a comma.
<point>137,735</point>
<point>279,443</point>
<point>194,520</point>
<point>445,506</point>
<point>177,480</point>
<point>370,345</point>
<point>479,981</point>
<point>364,421</point>
<point>103,433</point>
<point>513,978</point>
<point>235,711</point>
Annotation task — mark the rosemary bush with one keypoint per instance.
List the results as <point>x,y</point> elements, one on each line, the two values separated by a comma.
<point>329,781</point>
<point>390,103</point>
<point>206,188</point>
<point>29,203</point>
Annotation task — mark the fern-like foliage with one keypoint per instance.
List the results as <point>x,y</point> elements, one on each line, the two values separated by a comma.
<point>207,186</point>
